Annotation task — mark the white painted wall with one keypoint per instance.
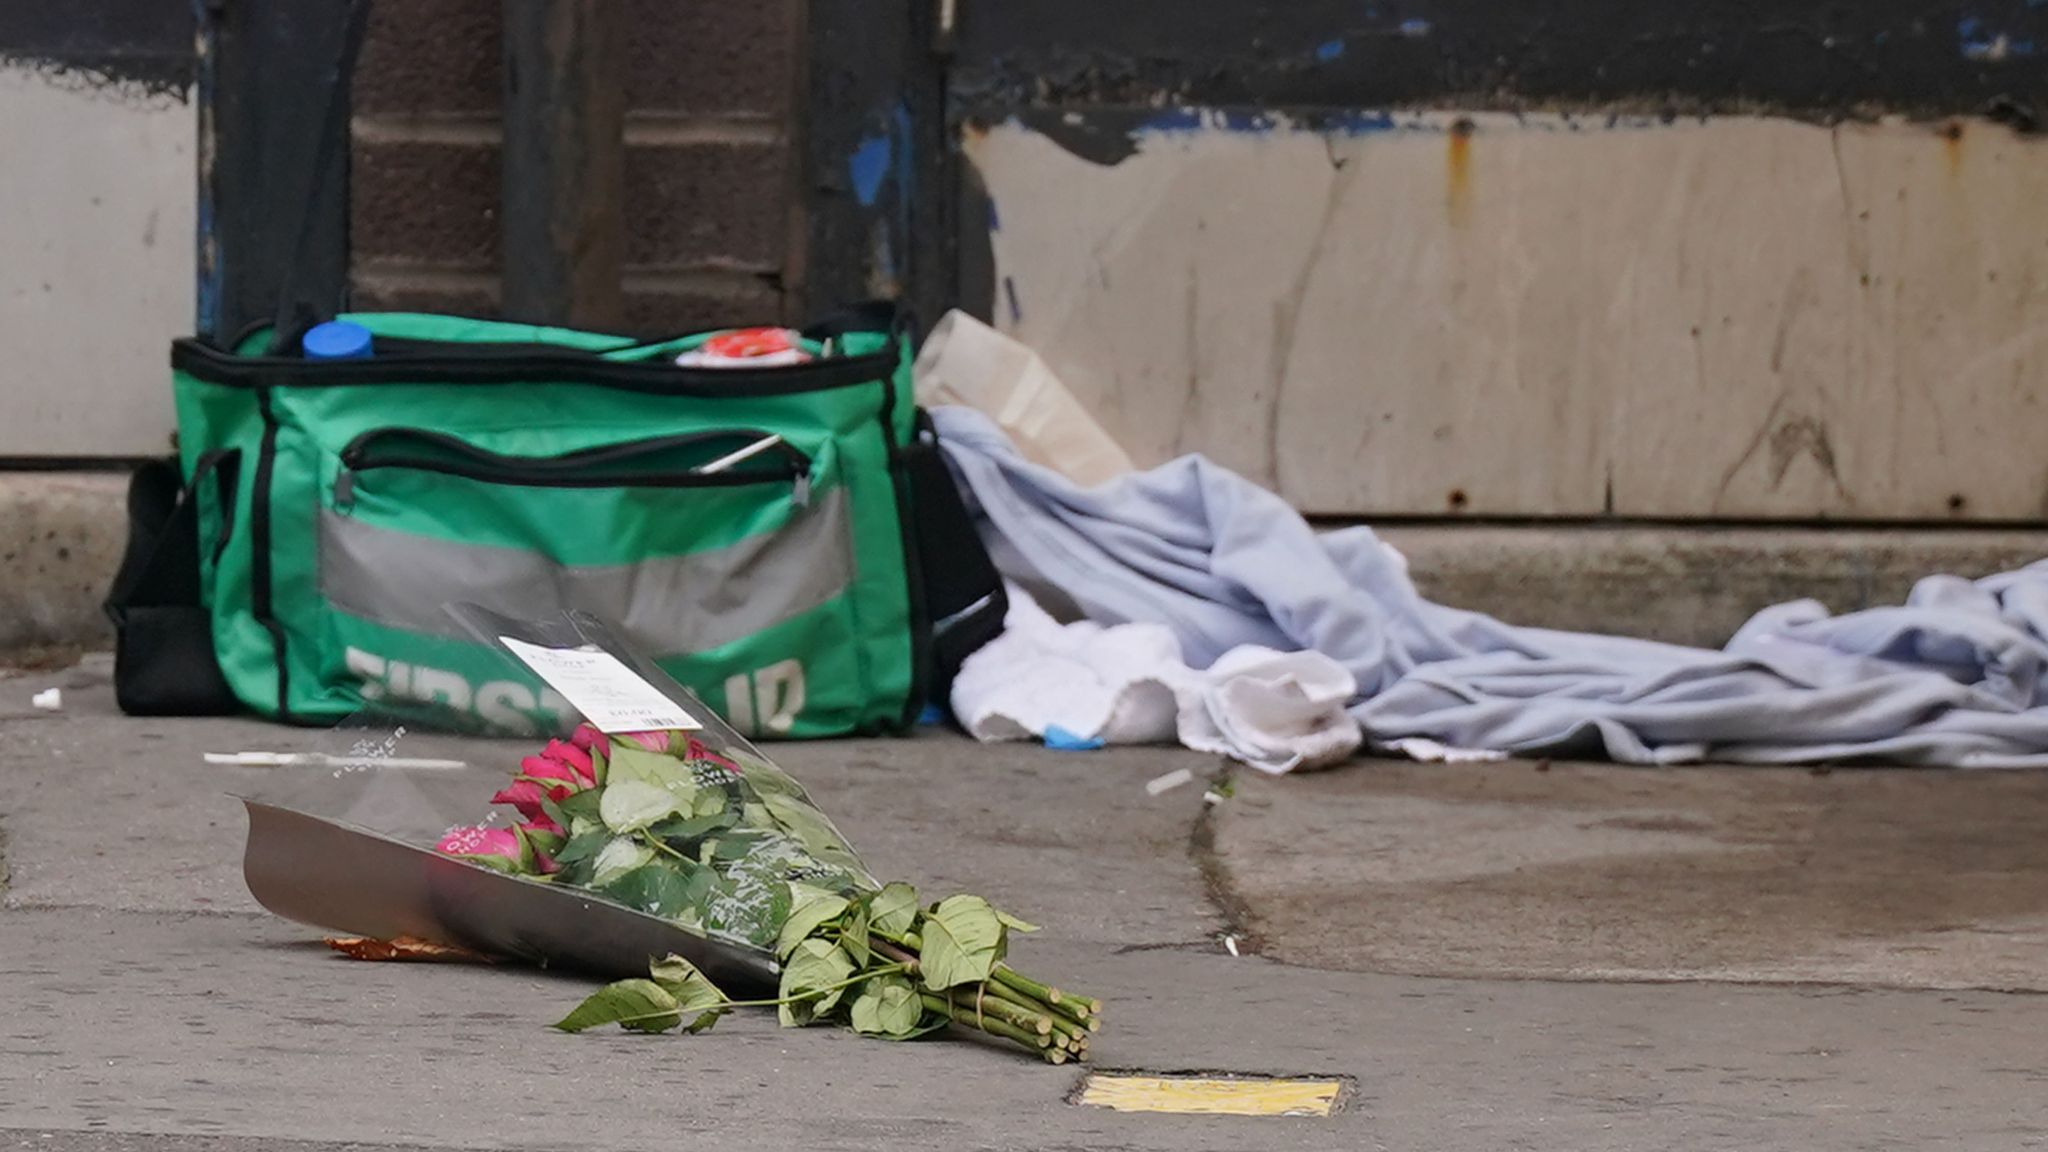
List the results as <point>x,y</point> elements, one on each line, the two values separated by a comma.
<point>96,263</point>
<point>1741,317</point>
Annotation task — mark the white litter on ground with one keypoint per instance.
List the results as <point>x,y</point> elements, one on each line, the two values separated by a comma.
<point>322,760</point>
<point>1230,945</point>
<point>1168,782</point>
<point>49,700</point>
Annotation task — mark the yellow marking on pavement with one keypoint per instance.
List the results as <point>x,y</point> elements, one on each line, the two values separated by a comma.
<point>1213,1097</point>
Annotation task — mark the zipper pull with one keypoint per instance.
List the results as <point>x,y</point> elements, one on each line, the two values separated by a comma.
<point>344,491</point>
<point>800,490</point>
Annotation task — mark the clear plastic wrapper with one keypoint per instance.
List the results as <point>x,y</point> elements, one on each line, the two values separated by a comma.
<point>346,837</point>
<point>652,843</point>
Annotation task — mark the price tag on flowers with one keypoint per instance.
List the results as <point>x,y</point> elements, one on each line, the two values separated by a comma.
<point>611,696</point>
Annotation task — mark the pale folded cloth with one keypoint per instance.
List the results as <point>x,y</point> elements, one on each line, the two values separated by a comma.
<point>1127,684</point>
<point>964,361</point>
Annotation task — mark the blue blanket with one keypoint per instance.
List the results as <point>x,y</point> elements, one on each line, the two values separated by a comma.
<point>1953,677</point>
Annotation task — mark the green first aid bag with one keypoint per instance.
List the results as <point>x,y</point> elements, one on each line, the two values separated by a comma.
<point>761,532</point>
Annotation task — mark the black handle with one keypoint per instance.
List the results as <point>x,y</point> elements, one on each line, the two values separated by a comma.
<point>295,316</point>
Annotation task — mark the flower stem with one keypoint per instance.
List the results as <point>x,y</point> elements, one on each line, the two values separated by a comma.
<point>1026,1004</point>
<point>1068,1012</point>
<point>882,945</point>
<point>1061,1026</point>
<point>991,1025</point>
<point>1072,1008</point>
<point>1079,1007</point>
<point>660,845</point>
<point>1032,988</point>
<point>990,1006</point>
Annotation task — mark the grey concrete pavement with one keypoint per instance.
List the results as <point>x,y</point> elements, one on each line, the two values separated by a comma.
<point>1901,878</point>
<point>153,1009</point>
<point>236,1026</point>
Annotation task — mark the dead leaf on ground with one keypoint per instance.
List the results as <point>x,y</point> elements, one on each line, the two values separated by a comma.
<point>406,948</point>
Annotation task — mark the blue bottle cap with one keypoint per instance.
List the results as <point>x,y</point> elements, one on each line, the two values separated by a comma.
<point>336,340</point>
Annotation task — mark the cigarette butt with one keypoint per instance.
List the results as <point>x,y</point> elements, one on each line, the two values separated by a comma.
<point>1168,782</point>
<point>1230,945</point>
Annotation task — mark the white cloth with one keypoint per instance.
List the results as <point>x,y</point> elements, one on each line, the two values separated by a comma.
<point>1958,675</point>
<point>1127,684</point>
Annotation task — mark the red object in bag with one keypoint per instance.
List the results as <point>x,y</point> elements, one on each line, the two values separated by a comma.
<point>746,348</point>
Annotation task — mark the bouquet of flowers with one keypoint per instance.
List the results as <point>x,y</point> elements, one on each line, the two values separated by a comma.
<point>700,830</point>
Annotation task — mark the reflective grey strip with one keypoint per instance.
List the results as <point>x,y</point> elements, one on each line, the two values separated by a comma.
<point>669,606</point>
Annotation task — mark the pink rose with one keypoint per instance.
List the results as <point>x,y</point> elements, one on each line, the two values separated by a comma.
<point>698,750</point>
<point>480,841</point>
<point>652,741</point>
<point>525,795</point>
<point>543,768</point>
<point>590,739</point>
<point>506,849</point>
<point>573,758</point>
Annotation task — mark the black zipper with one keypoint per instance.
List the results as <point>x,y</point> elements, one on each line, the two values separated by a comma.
<point>527,364</point>
<point>775,460</point>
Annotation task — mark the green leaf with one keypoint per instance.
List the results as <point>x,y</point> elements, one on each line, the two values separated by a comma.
<point>503,864</point>
<point>887,1006</point>
<point>854,936</point>
<point>618,857</point>
<point>765,777</point>
<point>580,806</point>
<point>746,907</point>
<point>683,829</point>
<point>694,991</point>
<point>1014,924</point>
<point>553,810</point>
<point>583,846</point>
<point>631,762</point>
<point>665,888</point>
<point>759,922</point>
<point>638,1005</point>
<point>599,766</point>
<point>631,805</point>
<point>893,911</point>
<point>543,840</point>
<point>810,909</point>
<point>963,941</point>
<point>810,827</point>
<point>525,843</point>
<point>813,965</point>
<point>773,917</point>
<point>736,845</point>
